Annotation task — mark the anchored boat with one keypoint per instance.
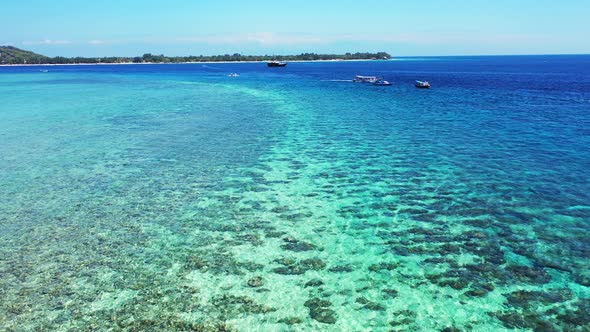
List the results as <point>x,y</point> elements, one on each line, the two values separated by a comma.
<point>422,85</point>
<point>375,80</point>
<point>366,79</point>
<point>276,64</point>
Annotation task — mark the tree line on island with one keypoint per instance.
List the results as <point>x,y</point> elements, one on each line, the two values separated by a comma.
<point>11,55</point>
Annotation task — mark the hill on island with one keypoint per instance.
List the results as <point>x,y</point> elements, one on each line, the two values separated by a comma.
<point>11,55</point>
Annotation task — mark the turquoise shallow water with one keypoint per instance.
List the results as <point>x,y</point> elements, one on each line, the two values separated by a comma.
<point>173,197</point>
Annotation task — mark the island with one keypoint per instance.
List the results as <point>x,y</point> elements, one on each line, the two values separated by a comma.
<point>10,55</point>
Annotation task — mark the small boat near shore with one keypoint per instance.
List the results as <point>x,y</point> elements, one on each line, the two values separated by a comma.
<point>233,75</point>
<point>375,80</point>
<point>422,85</point>
<point>276,64</point>
<point>366,79</point>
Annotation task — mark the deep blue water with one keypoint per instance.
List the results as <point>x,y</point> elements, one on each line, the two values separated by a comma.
<point>173,197</point>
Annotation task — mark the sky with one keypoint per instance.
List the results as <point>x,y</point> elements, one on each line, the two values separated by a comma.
<point>195,27</point>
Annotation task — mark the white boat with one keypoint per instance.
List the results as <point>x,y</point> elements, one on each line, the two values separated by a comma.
<point>366,79</point>
<point>233,75</point>
<point>422,85</point>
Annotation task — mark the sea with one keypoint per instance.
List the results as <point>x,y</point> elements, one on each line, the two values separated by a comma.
<point>172,197</point>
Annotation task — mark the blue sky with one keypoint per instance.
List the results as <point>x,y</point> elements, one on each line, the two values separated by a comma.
<point>183,27</point>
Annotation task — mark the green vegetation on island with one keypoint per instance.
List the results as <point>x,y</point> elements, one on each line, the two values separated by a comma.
<point>10,55</point>
<point>13,55</point>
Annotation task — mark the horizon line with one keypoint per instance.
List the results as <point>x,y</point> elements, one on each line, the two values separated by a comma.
<point>302,53</point>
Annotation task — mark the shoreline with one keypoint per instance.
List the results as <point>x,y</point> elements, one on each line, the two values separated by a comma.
<point>173,63</point>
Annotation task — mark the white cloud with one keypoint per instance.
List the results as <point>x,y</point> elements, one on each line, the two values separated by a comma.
<point>276,39</point>
<point>419,38</point>
<point>47,42</point>
<point>264,38</point>
<point>271,39</point>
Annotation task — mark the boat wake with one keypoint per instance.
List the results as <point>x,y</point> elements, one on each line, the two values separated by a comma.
<point>209,67</point>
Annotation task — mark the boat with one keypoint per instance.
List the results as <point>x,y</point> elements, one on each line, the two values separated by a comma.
<point>366,79</point>
<point>382,83</point>
<point>276,64</point>
<point>233,75</point>
<point>44,71</point>
<point>422,85</point>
